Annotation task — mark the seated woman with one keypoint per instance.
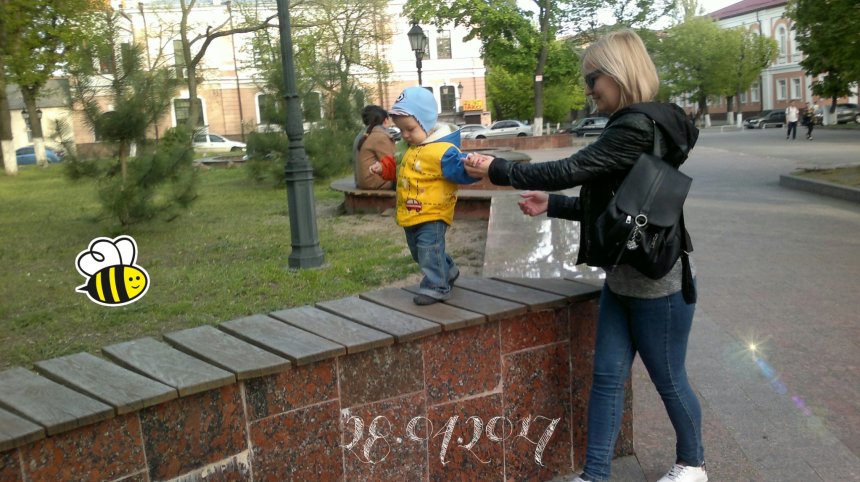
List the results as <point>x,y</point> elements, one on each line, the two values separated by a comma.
<point>372,145</point>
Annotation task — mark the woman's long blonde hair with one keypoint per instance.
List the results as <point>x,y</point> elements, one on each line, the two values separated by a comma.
<point>622,56</point>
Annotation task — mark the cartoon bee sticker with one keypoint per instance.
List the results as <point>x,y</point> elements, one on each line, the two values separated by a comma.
<point>112,277</point>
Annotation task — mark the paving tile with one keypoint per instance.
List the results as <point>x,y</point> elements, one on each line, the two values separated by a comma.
<point>449,317</point>
<point>191,432</point>
<point>402,326</point>
<point>537,390</point>
<point>470,454</point>
<point>16,431</point>
<point>299,445</point>
<point>300,387</point>
<point>299,346</point>
<point>461,363</point>
<point>354,336</point>
<point>380,374</point>
<point>104,451</point>
<point>382,449</point>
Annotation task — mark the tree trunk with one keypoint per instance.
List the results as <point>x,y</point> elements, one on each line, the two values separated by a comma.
<point>730,113</point>
<point>537,128</point>
<point>7,150</point>
<point>29,93</point>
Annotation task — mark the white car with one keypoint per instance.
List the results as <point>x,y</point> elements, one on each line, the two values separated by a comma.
<point>216,143</point>
<point>501,128</point>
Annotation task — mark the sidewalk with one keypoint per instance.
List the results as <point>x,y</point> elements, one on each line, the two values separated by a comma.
<point>786,412</point>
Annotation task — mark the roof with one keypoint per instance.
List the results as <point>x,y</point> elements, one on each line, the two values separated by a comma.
<point>745,6</point>
<point>54,94</point>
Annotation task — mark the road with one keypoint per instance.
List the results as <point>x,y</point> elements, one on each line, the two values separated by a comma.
<point>774,349</point>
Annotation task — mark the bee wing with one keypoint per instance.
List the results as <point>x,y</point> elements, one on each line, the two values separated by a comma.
<point>127,249</point>
<point>101,253</point>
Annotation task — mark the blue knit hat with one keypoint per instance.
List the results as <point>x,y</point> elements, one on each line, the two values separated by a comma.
<point>417,102</point>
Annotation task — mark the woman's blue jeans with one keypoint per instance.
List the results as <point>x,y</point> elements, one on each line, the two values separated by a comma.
<point>426,243</point>
<point>657,329</point>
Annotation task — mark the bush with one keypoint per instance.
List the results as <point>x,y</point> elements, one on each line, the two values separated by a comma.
<point>328,147</point>
<point>160,182</point>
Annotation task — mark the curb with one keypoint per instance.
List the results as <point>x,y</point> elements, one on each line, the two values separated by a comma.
<point>820,187</point>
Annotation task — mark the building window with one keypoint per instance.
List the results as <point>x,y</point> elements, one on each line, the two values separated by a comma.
<point>180,111</point>
<point>179,59</point>
<point>795,88</point>
<point>268,110</point>
<point>447,98</point>
<point>312,107</point>
<point>742,98</point>
<point>443,47</point>
<point>754,90</point>
<point>781,91</point>
<point>782,42</point>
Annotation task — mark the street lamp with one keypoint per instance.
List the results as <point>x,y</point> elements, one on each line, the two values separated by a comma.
<point>26,115</point>
<point>460,94</point>
<point>297,171</point>
<point>418,41</point>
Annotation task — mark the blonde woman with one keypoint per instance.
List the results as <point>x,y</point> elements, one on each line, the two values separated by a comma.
<point>651,317</point>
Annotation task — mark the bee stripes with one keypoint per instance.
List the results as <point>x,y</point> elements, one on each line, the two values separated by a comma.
<point>115,285</point>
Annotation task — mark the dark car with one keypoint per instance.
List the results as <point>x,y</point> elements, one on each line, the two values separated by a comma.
<point>589,126</point>
<point>27,155</point>
<point>767,118</point>
<point>847,113</point>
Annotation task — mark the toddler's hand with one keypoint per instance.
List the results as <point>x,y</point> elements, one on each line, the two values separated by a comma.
<point>376,168</point>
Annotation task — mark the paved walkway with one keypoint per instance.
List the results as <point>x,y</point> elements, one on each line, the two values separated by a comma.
<point>776,268</point>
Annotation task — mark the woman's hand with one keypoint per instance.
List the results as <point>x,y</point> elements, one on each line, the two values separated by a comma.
<point>534,203</point>
<point>477,165</point>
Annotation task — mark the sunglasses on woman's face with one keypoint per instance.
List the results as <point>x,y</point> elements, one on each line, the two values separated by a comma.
<point>591,78</point>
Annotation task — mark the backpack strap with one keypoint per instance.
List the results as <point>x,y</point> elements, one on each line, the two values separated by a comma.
<point>688,286</point>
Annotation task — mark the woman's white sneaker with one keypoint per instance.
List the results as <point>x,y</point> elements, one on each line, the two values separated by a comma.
<point>683,473</point>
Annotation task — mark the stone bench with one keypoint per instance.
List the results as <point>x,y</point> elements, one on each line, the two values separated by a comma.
<point>471,203</point>
<point>490,385</point>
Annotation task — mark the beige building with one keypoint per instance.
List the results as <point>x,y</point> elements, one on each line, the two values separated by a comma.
<point>230,94</point>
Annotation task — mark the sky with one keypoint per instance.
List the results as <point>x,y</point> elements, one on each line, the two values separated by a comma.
<point>708,5</point>
<point>714,5</point>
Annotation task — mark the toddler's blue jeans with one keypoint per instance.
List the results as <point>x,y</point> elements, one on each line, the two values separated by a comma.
<point>426,243</point>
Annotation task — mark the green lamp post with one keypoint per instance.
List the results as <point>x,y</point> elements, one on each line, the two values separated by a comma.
<point>306,252</point>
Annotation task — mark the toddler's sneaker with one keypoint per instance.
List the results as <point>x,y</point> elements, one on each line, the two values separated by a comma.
<point>683,473</point>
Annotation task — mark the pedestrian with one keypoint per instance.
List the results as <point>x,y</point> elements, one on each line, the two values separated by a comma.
<point>372,144</point>
<point>637,314</point>
<point>809,120</point>
<point>430,171</point>
<point>791,115</point>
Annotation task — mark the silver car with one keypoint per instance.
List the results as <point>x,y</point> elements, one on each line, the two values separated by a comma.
<point>501,128</point>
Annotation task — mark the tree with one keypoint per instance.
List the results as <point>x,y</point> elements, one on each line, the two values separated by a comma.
<point>37,36</point>
<point>193,61</point>
<point>828,33</point>
<point>521,39</point>
<point>698,59</point>
<point>336,43</point>
<point>755,52</point>
<point>138,96</point>
<point>7,152</point>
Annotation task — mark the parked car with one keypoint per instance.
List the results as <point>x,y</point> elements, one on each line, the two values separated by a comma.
<point>216,143</point>
<point>501,128</point>
<point>847,113</point>
<point>27,155</point>
<point>767,118</point>
<point>589,126</point>
<point>394,132</point>
<point>467,128</point>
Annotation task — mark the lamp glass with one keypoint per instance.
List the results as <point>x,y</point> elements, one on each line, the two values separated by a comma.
<point>417,39</point>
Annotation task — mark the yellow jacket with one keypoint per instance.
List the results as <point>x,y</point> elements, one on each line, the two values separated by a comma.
<point>428,178</point>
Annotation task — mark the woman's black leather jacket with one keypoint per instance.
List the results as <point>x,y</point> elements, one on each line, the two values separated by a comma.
<point>601,166</point>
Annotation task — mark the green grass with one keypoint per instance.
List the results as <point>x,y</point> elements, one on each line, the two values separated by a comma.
<point>847,176</point>
<point>225,258</point>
